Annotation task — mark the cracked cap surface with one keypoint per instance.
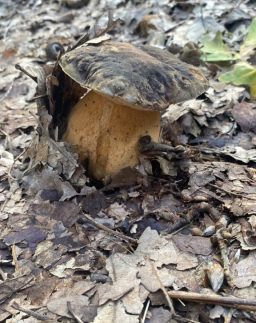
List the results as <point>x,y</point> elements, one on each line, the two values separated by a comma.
<point>143,76</point>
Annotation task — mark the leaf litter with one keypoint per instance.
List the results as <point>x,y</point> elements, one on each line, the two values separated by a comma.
<point>74,251</point>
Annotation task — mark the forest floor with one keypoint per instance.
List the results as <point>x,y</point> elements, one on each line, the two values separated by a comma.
<point>170,241</point>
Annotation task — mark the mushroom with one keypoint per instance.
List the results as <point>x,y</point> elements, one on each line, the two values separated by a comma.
<point>126,88</point>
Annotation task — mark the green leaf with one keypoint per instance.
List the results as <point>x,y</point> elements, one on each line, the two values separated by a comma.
<point>215,50</point>
<point>250,41</point>
<point>242,74</point>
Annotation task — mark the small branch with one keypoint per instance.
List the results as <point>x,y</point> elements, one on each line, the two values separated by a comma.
<point>183,320</point>
<point>6,286</point>
<point>145,312</point>
<point>20,68</point>
<point>39,317</point>
<point>147,145</point>
<point>167,296</point>
<point>7,92</point>
<point>97,33</point>
<point>224,257</point>
<point>228,301</point>
<point>9,174</point>
<point>39,97</point>
<point>78,320</point>
<point>110,231</point>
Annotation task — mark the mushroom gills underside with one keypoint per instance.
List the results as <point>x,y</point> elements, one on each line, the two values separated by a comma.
<point>107,133</point>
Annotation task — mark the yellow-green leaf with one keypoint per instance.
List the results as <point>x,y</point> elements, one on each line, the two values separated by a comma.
<point>215,50</point>
<point>242,74</point>
<point>250,40</point>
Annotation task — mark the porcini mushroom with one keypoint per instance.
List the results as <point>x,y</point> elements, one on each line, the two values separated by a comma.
<point>128,88</point>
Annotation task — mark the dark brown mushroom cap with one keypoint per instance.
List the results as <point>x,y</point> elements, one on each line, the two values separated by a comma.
<point>144,76</point>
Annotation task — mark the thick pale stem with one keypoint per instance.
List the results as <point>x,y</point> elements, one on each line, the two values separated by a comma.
<point>107,133</point>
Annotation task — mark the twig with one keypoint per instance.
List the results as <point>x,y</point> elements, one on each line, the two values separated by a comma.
<point>202,17</point>
<point>228,192</point>
<point>39,97</point>
<point>50,141</point>
<point>120,245</point>
<point>186,225</point>
<point>211,194</point>
<point>145,312</point>
<point>14,162</point>
<point>183,319</point>
<point>147,145</point>
<point>72,313</point>
<point>228,317</point>
<point>3,97</point>
<point>14,257</point>
<point>3,275</point>
<point>20,68</point>
<point>8,139</point>
<point>167,296</point>
<point>228,301</point>
<point>8,27</point>
<point>39,317</point>
<point>224,257</point>
<point>110,231</point>
<point>4,205</point>
<point>97,33</point>
<point>11,289</point>
<point>62,151</point>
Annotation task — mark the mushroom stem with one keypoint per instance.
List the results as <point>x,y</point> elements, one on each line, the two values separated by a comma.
<point>107,133</point>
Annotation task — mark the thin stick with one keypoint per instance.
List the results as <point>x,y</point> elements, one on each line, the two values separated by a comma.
<point>14,257</point>
<point>145,312</point>
<point>20,68</point>
<point>228,301</point>
<point>110,231</point>
<point>229,315</point>
<point>147,145</point>
<point>78,320</point>
<point>3,97</point>
<point>14,162</point>
<point>180,229</point>
<point>224,257</point>
<point>97,33</point>
<point>39,317</point>
<point>167,296</point>
<point>12,290</point>
<point>183,320</point>
<point>120,245</point>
